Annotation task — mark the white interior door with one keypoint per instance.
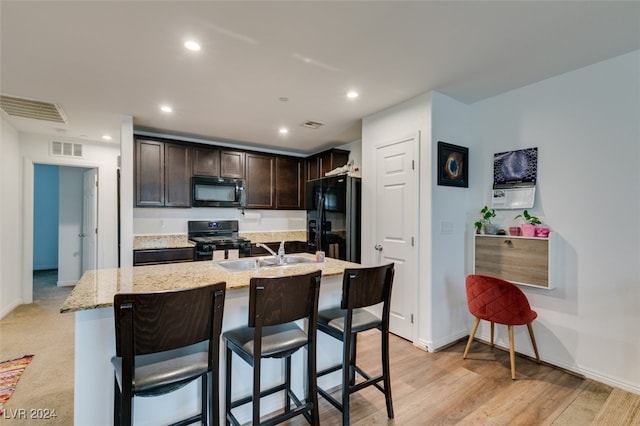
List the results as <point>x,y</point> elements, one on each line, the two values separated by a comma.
<point>396,228</point>
<point>89,235</point>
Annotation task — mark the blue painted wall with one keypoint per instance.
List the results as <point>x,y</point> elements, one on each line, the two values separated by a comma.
<point>45,217</point>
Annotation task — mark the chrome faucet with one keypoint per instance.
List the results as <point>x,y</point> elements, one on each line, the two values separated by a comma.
<point>279,255</point>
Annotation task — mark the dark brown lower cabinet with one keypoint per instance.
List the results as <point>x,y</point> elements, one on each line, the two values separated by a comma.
<point>158,256</point>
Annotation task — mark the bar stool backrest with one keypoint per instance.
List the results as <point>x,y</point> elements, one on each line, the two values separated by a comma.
<point>156,322</point>
<point>362,287</point>
<point>280,300</point>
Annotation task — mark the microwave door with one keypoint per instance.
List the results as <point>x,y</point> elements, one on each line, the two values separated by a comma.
<point>215,193</point>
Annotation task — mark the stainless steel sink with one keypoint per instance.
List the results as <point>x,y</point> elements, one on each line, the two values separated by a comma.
<point>250,263</point>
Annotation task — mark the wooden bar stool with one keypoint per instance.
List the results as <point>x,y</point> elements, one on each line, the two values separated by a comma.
<point>361,288</point>
<point>164,341</point>
<point>274,306</point>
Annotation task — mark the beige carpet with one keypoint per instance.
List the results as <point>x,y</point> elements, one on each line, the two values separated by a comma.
<point>46,387</point>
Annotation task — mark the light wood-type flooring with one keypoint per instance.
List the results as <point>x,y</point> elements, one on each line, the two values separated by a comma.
<point>443,389</point>
<point>428,388</point>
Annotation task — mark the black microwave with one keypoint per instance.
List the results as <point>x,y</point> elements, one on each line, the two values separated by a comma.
<point>217,192</point>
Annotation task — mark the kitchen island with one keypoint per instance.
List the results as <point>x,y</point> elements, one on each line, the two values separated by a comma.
<point>92,304</point>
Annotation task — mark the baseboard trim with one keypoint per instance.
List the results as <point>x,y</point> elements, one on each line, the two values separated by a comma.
<point>575,370</point>
<point>10,307</point>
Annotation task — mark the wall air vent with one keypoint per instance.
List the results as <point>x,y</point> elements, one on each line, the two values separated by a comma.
<point>65,149</point>
<point>30,108</point>
<point>310,124</point>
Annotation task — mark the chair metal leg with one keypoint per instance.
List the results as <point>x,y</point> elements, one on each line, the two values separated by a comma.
<point>126,408</point>
<point>533,342</point>
<point>227,387</point>
<point>493,326</point>
<point>287,384</point>
<point>473,333</point>
<point>352,358</point>
<point>512,353</point>
<point>204,412</point>
<point>347,372</point>
<point>386,373</point>
<point>312,385</point>
<point>256,391</point>
<point>117,403</point>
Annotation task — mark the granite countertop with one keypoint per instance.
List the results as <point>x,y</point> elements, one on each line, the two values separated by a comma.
<point>161,241</point>
<point>97,287</point>
<point>164,241</point>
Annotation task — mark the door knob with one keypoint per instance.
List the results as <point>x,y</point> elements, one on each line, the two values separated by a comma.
<point>82,235</point>
<point>378,247</point>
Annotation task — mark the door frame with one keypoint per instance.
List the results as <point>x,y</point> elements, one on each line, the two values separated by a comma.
<point>27,219</point>
<point>416,219</point>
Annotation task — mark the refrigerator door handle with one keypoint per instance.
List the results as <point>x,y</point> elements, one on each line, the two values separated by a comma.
<point>378,247</point>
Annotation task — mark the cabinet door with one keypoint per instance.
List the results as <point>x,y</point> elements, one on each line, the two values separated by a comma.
<point>149,173</point>
<point>177,175</point>
<point>206,161</point>
<point>326,161</point>
<point>521,260</point>
<point>260,180</point>
<point>289,183</point>
<point>232,164</point>
<point>158,256</point>
<point>313,168</point>
<point>332,159</point>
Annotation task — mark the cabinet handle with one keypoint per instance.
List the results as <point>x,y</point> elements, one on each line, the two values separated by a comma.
<point>508,242</point>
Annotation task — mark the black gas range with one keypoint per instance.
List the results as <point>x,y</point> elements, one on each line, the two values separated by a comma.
<point>217,239</point>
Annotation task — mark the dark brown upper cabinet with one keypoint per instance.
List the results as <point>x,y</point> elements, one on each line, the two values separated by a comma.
<point>164,168</point>
<point>206,161</point>
<point>260,181</point>
<point>232,164</point>
<point>319,164</point>
<point>163,174</point>
<point>290,183</point>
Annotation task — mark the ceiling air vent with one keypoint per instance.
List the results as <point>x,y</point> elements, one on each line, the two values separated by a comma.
<point>29,108</point>
<point>310,124</point>
<point>66,149</point>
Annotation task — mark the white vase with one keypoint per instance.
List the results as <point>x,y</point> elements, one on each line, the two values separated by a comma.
<point>490,228</point>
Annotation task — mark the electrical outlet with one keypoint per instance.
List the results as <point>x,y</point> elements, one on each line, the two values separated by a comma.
<point>446,227</point>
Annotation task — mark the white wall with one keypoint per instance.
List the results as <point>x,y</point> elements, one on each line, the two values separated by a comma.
<point>10,219</point>
<point>440,310</point>
<point>174,221</point>
<point>34,148</point>
<point>586,125</point>
<point>449,207</point>
<point>398,122</point>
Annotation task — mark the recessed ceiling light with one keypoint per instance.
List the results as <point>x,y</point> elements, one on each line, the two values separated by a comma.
<point>192,45</point>
<point>351,94</point>
<point>283,130</point>
<point>166,108</point>
<point>106,137</point>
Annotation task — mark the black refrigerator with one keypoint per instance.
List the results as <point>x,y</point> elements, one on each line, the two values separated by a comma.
<point>333,217</point>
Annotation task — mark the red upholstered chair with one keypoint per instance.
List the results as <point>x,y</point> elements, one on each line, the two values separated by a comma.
<point>496,300</point>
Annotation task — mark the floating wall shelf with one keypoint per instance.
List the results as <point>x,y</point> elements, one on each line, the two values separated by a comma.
<point>521,260</point>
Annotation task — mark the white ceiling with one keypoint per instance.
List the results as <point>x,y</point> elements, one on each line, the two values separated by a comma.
<point>100,60</point>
